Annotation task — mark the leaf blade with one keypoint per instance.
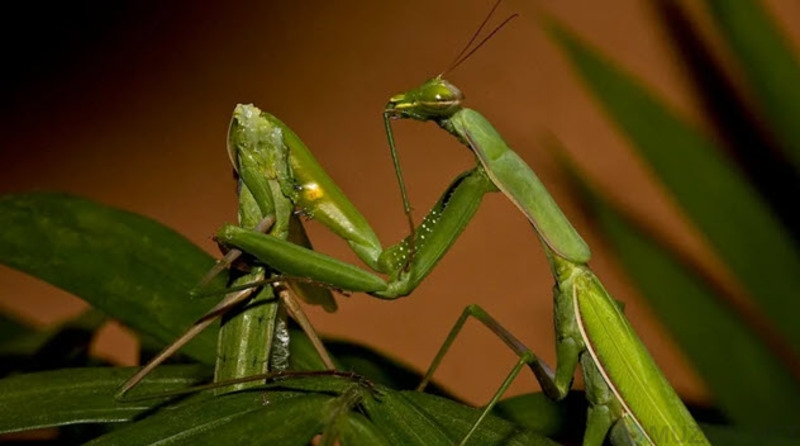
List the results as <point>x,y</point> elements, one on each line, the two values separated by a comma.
<point>131,267</point>
<point>768,63</point>
<point>742,229</point>
<point>84,395</point>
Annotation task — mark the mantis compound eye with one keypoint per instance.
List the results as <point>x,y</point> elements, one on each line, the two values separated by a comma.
<point>445,93</point>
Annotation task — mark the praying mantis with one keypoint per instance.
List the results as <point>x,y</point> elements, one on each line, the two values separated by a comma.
<point>630,401</point>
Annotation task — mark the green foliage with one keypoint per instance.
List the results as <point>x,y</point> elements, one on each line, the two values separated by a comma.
<point>746,367</point>
<point>141,272</point>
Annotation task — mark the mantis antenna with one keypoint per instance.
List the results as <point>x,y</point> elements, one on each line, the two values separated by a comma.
<point>461,56</point>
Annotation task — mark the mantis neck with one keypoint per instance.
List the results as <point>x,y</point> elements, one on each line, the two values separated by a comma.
<point>563,269</point>
<point>448,125</point>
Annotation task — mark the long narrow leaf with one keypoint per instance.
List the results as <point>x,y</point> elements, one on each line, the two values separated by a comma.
<point>131,267</point>
<point>85,395</point>
<point>747,237</point>
<point>11,329</point>
<point>235,419</point>
<point>739,128</point>
<point>768,62</point>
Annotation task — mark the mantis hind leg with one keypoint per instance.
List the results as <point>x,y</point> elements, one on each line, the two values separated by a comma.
<point>554,384</point>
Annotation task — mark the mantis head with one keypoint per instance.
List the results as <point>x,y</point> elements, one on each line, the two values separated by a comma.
<point>435,99</point>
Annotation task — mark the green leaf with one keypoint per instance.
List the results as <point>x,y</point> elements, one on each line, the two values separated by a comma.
<point>352,356</point>
<point>288,410</point>
<point>19,340</point>
<point>360,430</point>
<point>74,396</point>
<point>253,417</point>
<point>456,420</point>
<point>404,422</point>
<point>746,235</point>
<point>85,395</point>
<point>337,414</point>
<point>409,417</point>
<point>748,383</point>
<point>738,436</point>
<point>131,267</point>
<point>63,345</point>
<point>377,367</point>
<point>11,329</point>
<point>68,344</point>
<point>553,419</point>
<point>768,62</point>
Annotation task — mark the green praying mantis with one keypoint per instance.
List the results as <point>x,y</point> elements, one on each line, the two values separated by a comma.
<point>630,401</point>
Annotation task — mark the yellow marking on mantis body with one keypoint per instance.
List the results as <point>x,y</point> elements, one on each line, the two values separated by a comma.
<point>312,191</point>
<point>405,105</point>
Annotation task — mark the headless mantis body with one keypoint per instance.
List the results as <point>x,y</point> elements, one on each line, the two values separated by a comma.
<point>255,341</point>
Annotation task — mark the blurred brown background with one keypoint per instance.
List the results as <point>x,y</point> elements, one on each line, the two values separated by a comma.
<point>129,105</point>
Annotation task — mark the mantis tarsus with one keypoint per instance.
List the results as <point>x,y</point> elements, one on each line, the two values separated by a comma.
<point>631,401</point>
